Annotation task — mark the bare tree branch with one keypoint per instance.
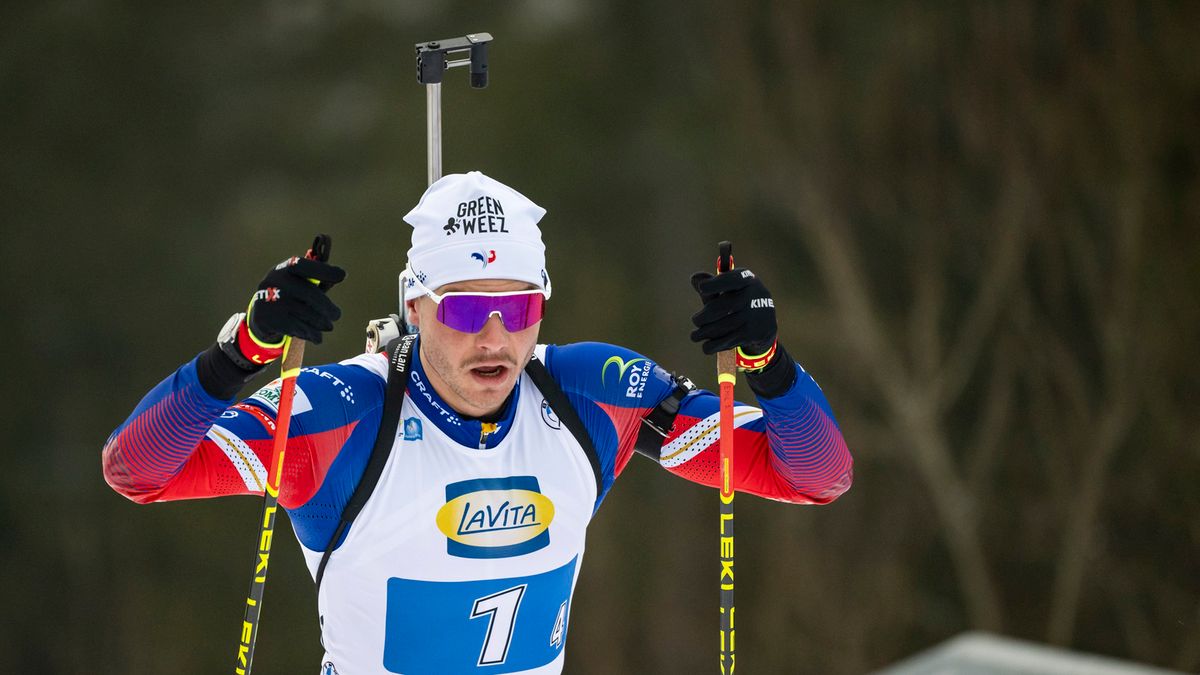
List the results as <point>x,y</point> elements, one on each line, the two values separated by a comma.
<point>1007,255</point>
<point>1113,417</point>
<point>997,415</point>
<point>913,412</point>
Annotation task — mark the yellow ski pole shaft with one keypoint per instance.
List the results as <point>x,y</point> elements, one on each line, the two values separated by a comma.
<point>293,358</point>
<point>726,378</point>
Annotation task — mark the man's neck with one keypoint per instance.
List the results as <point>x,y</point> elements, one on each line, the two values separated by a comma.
<point>477,432</point>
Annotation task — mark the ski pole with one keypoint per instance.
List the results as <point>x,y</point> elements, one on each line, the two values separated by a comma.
<point>726,378</point>
<point>432,64</point>
<point>293,356</point>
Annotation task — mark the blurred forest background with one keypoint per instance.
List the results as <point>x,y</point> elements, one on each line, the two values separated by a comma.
<point>979,221</point>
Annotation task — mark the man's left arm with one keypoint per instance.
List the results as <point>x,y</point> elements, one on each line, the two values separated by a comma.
<point>790,449</point>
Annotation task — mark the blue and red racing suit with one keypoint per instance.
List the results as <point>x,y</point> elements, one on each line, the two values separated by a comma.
<point>181,443</point>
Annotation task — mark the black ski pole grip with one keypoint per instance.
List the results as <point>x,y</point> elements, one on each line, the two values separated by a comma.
<point>321,247</point>
<point>724,256</point>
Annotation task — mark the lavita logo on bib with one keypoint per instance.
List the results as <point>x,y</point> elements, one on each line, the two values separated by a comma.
<point>495,517</point>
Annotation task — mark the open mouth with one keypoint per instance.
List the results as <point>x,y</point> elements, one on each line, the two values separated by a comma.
<point>489,372</point>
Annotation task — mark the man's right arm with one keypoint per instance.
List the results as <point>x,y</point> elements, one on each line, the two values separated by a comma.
<point>181,442</point>
<point>175,425</point>
<point>185,440</point>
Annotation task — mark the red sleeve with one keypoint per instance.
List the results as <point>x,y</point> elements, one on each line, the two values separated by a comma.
<point>789,450</point>
<point>180,443</point>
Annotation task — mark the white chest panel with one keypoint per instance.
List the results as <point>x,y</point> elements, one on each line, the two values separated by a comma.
<point>463,560</point>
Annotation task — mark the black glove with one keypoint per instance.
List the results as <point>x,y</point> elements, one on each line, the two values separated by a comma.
<point>288,303</point>
<point>739,313</point>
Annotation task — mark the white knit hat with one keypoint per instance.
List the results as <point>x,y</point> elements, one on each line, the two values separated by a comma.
<point>468,226</point>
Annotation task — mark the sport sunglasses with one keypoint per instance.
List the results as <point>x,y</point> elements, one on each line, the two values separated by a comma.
<point>468,312</point>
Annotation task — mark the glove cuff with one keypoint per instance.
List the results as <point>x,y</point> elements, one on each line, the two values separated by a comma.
<point>256,351</point>
<point>238,343</point>
<point>775,378</point>
<point>750,363</point>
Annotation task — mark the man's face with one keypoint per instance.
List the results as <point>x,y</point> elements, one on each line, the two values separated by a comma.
<point>473,372</point>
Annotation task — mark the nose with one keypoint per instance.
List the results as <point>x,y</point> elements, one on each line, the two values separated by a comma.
<point>493,336</point>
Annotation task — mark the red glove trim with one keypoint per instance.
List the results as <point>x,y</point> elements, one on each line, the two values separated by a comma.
<point>746,362</point>
<point>255,350</point>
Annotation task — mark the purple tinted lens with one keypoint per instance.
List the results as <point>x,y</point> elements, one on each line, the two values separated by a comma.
<point>469,313</point>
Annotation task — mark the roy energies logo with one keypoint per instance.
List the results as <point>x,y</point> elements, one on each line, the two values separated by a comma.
<point>495,517</point>
<point>637,381</point>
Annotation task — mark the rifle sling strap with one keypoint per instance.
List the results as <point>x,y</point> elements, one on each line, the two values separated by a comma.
<point>400,350</point>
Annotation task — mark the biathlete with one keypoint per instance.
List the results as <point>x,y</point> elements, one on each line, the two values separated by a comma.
<point>466,554</point>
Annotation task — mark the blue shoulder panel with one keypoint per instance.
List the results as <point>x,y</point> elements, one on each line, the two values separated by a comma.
<point>341,395</point>
<point>611,388</point>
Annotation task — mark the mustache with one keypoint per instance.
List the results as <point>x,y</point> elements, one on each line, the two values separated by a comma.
<point>492,359</point>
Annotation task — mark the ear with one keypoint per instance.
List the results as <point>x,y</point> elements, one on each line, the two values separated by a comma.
<point>411,317</point>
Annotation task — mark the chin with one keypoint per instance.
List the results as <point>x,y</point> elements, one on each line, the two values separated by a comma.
<point>495,395</point>
<point>491,395</point>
